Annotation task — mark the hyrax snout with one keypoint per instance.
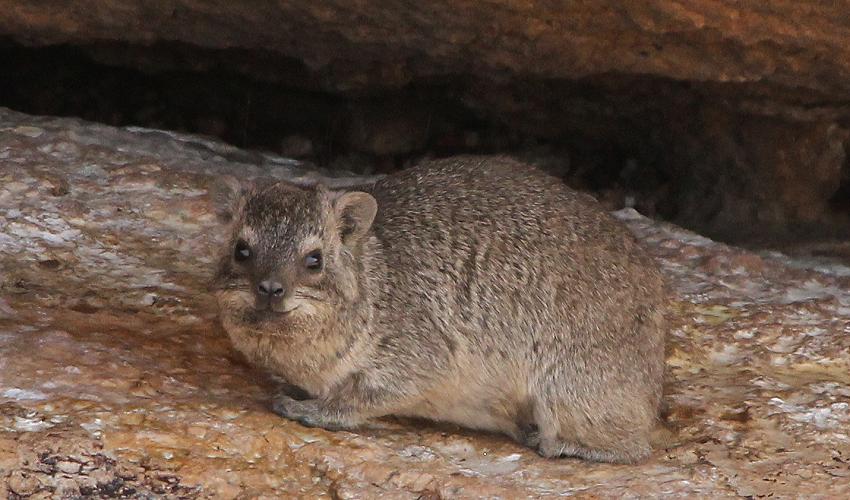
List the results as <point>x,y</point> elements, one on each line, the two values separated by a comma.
<point>473,290</point>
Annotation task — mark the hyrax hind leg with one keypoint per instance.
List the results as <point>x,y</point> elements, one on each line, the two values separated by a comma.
<point>601,438</point>
<point>610,423</point>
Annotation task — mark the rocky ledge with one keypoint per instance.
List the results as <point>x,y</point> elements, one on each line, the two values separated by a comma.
<point>115,379</point>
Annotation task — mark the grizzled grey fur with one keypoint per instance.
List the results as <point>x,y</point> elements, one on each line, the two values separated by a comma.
<point>474,290</point>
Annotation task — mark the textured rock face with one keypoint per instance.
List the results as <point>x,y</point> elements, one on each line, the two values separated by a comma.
<point>115,378</point>
<point>756,175</point>
<point>779,43</point>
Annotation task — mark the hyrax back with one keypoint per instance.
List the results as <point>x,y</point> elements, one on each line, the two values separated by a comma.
<point>473,290</point>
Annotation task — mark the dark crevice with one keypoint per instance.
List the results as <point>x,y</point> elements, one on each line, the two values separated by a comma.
<point>688,152</point>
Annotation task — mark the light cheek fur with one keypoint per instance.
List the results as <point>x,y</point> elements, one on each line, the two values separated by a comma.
<point>279,346</point>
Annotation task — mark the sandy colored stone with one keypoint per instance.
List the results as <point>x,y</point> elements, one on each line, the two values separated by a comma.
<point>22,483</point>
<point>68,467</point>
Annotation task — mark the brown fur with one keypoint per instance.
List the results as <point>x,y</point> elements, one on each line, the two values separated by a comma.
<point>484,293</point>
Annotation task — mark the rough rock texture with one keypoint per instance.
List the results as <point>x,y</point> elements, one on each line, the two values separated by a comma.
<point>116,380</point>
<point>779,42</point>
<point>757,175</point>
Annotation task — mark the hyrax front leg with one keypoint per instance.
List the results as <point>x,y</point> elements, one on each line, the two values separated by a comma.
<point>347,406</point>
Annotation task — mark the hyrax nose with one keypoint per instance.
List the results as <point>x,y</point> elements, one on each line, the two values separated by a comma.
<point>271,289</point>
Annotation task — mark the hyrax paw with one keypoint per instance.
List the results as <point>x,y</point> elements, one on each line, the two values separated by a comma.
<point>313,421</point>
<point>531,439</point>
<point>307,412</point>
<point>287,407</point>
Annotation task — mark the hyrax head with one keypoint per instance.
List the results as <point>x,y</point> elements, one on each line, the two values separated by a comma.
<point>292,253</point>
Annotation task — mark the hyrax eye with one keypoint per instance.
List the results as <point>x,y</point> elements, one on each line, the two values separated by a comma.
<point>313,260</point>
<point>242,251</point>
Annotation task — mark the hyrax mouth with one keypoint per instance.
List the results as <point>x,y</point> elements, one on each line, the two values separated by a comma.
<point>268,314</point>
<point>285,311</point>
<point>279,308</point>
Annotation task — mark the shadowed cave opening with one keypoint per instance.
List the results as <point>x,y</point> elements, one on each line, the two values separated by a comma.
<point>683,151</point>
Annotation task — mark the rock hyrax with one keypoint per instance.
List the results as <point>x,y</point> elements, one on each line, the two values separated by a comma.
<point>473,290</point>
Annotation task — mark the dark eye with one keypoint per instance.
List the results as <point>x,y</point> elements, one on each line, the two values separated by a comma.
<point>313,260</point>
<point>242,251</point>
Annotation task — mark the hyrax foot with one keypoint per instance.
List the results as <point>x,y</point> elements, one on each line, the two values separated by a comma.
<point>309,413</point>
<point>553,448</point>
<point>528,435</point>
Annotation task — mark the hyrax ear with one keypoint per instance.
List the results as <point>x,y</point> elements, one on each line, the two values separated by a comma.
<point>355,212</point>
<point>227,194</point>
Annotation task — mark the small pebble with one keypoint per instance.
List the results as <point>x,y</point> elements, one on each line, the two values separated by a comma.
<point>68,467</point>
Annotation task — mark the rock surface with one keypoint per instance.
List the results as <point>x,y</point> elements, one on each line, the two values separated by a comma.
<point>115,378</point>
<point>779,43</point>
